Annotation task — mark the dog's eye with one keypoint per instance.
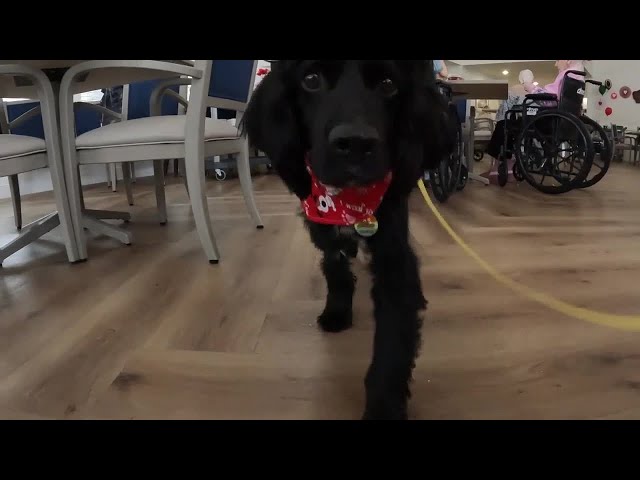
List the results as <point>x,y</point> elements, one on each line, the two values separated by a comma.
<point>388,88</point>
<point>312,82</point>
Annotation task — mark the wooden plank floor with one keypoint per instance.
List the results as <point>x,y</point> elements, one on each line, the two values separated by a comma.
<point>152,331</point>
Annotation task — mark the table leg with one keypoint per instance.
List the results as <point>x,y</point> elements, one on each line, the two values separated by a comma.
<point>470,146</point>
<point>53,220</point>
<point>92,219</point>
<point>30,234</point>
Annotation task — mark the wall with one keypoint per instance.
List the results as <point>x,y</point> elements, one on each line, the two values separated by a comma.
<point>626,111</point>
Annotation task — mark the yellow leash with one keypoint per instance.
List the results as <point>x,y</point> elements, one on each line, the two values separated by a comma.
<point>622,322</point>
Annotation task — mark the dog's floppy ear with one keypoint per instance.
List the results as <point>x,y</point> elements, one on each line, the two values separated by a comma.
<point>422,126</point>
<point>271,124</point>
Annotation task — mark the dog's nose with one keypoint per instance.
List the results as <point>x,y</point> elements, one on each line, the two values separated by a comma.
<point>353,140</point>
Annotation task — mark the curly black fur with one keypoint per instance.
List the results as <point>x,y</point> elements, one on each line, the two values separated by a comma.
<point>287,118</point>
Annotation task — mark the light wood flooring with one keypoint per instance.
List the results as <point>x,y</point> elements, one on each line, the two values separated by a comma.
<point>153,331</point>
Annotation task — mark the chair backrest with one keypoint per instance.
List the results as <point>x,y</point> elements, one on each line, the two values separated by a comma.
<point>461,106</point>
<point>230,85</point>
<point>4,123</point>
<point>86,119</point>
<point>32,127</point>
<point>225,84</point>
<point>232,82</point>
<point>618,132</point>
<point>484,124</point>
<point>137,96</point>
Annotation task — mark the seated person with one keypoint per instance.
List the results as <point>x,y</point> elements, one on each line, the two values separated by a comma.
<point>516,97</point>
<point>440,69</point>
<point>563,66</point>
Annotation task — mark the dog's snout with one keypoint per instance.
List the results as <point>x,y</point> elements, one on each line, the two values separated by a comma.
<point>353,140</point>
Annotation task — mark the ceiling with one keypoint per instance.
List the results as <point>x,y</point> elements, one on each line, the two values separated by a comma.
<point>484,62</point>
<point>544,71</point>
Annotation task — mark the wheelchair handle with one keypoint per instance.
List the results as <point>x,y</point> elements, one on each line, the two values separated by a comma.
<point>580,72</point>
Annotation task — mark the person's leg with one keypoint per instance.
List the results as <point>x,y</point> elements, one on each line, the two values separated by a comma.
<point>496,142</point>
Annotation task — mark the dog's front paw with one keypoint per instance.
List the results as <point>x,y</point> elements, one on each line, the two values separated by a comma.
<point>335,320</point>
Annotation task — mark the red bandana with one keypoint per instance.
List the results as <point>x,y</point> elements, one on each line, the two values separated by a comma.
<point>346,206</point>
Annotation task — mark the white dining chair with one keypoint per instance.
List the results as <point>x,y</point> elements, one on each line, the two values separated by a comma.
<point>22,153</point>
<point>214,83</point>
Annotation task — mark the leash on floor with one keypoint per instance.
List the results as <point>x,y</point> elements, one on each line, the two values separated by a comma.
<point>621,322</point>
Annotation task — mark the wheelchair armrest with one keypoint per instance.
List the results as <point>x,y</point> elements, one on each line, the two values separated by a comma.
<point>541,96</point>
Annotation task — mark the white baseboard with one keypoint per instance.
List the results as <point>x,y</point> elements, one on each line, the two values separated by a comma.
<point>40,180</point>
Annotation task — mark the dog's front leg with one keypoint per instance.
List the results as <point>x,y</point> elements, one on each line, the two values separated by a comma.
<point>336,267</point>
<point>337,314</point>
<point>397,297</point>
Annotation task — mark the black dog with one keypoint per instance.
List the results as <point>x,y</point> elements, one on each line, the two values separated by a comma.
<point>351,123</point>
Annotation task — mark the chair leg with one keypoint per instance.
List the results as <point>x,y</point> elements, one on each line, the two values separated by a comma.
<point>80,192</point>
<point>194,174</point>
<point>246,183</point>
<point>114,177</point>
<point>158,175</point>
<point>182,168</point>
<point>126,178</point>
<point>14,186</point>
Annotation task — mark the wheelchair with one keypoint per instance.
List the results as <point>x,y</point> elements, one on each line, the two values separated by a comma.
<point>451,174</point>
<point>557,147</point>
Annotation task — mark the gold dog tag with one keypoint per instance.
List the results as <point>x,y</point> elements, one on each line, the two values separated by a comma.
<point>367,227</point>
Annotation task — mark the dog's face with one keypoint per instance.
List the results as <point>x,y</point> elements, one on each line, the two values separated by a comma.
<point>355,119</point>
<point>348,110</point>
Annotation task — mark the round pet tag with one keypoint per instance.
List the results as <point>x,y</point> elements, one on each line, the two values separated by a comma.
<point>367,227</point>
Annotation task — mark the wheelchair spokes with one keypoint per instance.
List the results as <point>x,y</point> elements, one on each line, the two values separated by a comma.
<point>558,148</point>
<point>450,175</point>
<point>602,149</point>
<point>554,152</point>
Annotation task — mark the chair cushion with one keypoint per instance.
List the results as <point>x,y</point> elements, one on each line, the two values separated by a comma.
<point>12,146</point>
<point>482,134</point>
<point>151,131</point>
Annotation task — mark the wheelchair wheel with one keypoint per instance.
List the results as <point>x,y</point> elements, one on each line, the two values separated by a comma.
<point>478,155</point>
<point>445,178</point>
<point>455,159</point>
<point>439,181</point>
<point>503,171</point>
<point>464,176</point>
<point>554,152</point>
<point>517,174</point>
<point>603,152</point>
